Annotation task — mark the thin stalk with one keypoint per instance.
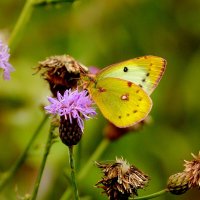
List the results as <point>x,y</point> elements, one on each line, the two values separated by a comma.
<point>78,156</point>
<point>151,196</point>
<point>9,175</point>
<point>98,152</point>
<point>21,24</point>
<point>46,2</point>
<point>86,168</point>
<point>46,153</point>
<point>73,175</point>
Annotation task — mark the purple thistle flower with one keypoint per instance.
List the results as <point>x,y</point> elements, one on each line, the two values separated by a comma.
<point>73,104</point>
<point>4,64</point>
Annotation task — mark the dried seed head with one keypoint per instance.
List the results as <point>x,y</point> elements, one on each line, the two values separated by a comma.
<point>62,72</point>
<point>192,169</point>
<point>178,183</point>
<point>70,132</point>
<point>121,180</point>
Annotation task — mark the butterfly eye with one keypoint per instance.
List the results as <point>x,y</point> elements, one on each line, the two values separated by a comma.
<point>125,69</point>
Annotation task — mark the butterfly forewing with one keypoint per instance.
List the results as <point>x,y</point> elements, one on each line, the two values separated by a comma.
<point>144,71</point>
<point>122,102</point>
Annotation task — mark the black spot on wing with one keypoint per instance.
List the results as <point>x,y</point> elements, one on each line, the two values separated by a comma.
<point>125,69</point>
<point>140,85</point>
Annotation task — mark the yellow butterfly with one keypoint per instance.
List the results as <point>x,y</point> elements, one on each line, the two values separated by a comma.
<point>121,91</point>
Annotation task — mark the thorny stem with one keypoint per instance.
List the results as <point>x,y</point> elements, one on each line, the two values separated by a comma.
<point>86,168</point>
<point>8,175</point>
<point>73,176</point>
<point>46,153</point>
<point>151,196</point>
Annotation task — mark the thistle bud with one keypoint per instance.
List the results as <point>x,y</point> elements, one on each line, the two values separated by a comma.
<point>190,177</point>
<point>70,133</point>
<point>178,183</point>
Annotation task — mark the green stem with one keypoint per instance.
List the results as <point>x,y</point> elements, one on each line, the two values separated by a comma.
<point>73,177</point>
<point>46,2</point>
<point>86,168</point>
<point>25,17</point>
<point>46,153</point>
<point>78,156</point>
<point>8,175</point>
<point>98,152</point>
<point>151,196</point>
<point>21,24</point>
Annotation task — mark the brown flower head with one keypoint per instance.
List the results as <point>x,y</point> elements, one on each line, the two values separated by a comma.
<point>192,169</point>
<point>62,72</point>
<point>121,180</point>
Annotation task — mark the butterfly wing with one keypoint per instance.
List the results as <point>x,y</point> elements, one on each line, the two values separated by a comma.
<point>145,71</point>
<point>122,102</point>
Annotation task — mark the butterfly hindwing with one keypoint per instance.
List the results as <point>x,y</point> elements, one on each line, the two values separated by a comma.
<point>122,102</point>
<point>145,71</point>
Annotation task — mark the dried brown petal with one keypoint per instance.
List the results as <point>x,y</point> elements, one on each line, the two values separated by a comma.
<point>192,169</point>
<point>62,72</point>
<point>121,180</point>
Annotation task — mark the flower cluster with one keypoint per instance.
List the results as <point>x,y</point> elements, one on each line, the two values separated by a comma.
<point>72,105</point>
<point>4,63</point>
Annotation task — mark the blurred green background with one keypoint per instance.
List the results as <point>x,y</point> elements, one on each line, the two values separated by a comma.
<point>99,33</point>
